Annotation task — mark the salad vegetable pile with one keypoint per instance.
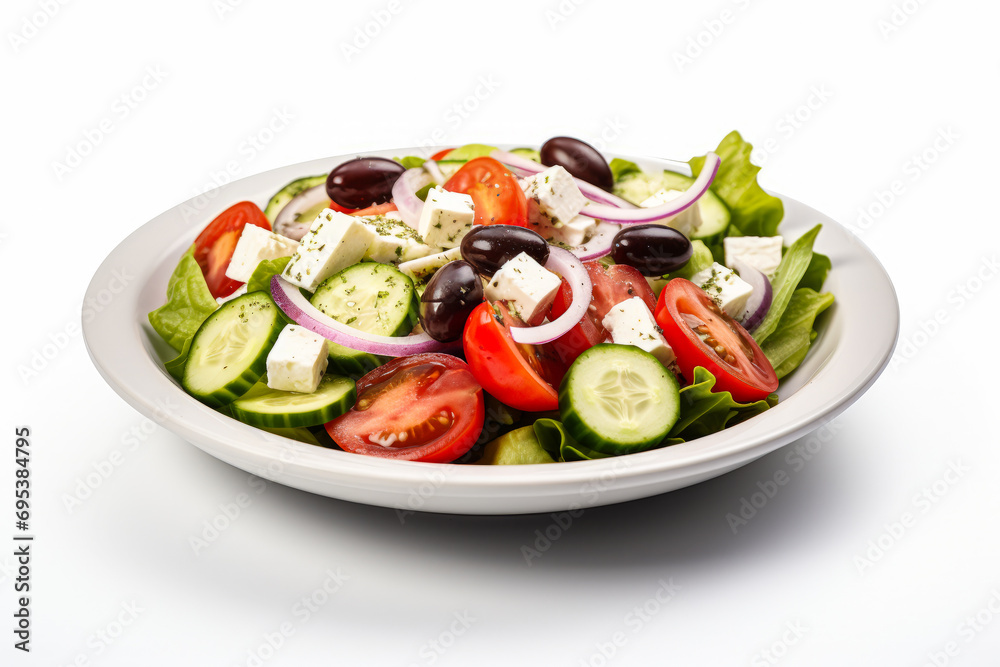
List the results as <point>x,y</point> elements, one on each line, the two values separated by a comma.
<point>494,307</point>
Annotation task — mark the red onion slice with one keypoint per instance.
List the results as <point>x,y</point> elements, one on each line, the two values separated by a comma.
<point>760,301</point>
<point>673,207</point>
<point>599,244</point>
<point>432,168</point>
<point>570,267</point>
<point>297,307</point>
<point>289,222</point>
<point>589,190</point>
<point>404,194</point>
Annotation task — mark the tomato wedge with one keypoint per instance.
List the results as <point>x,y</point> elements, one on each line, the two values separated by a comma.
<point>719,343</point>
<point>213,249</point>
<point>425,407</point>
<point>497,363</point>
<point>497,195</point>
<point>440,155</point>
<point>612,285</point>
<point>581,337</point>
<point>378,209</point>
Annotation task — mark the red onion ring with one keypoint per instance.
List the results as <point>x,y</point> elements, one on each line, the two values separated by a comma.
<point>599,244</point>
<point>297,307</point>
<point>570,267</point>
<point>589,190</point>
<point>640,215</point>
<point>287,222</point>
<point>760,300</point>
<point>404,194</point>
<point>434,170</point>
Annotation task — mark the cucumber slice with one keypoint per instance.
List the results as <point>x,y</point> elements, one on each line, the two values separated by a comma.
<point>618,399</point>
<point>529,153</point>
<point>352,363</point>
<point>375,298</point>
<point>288,193</point>
<point>637,187</point>
<point>449,167</point>
<point>272,408</point>
<point>229,352</point>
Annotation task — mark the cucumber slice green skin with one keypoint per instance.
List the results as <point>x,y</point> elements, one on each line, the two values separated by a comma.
<point>272,408</point>
<point>715,215</point>
<point>529,153</point>
<point>239,336</point>
<point>449,167</point>
<point>372,297</point>
<point>352,363</point>
<point>288,193</point>
<point>618,399</point>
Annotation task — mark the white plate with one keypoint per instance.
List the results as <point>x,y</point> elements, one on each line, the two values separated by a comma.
<point>858,336</point>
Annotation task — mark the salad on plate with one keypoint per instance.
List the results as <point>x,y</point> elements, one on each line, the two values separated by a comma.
<point>496,307</point>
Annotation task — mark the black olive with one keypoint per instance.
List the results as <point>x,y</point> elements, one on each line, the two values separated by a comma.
<point>488,247</point>
<point>452,294</point>
<point>652,249</point>
<point>363,182</point>
<point>580,159</point>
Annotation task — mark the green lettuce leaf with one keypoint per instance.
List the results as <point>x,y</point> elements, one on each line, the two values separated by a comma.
<point>815,275</point>
<point>621,168</point>
<point>788,345</point>
<point>704,411</point>
<point>189,303</point>
<point>560,445</point>
<point>469,152</point>
<point>755,213</point>
<point>793,266</point>
<point>260,279</point>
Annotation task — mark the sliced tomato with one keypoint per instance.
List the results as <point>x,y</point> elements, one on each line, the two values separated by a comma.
<point>378,209</point>
<point>612,285</point>
<point>581,337</point>
<point>495,191</point>
<point>498,364</point>
<point>337,207</point>
<point>425,407</point>
<point>720,345</point>
<point>213,249</point>
<point>440,155</point>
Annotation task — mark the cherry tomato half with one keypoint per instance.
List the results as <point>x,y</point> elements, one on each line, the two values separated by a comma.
<point>720,345</point>
<point>425,407</point>
<point>497,195</point>
<point>440,155</point>
<point>498,365</point>
<point>213,249</point>
<point>378,209</point>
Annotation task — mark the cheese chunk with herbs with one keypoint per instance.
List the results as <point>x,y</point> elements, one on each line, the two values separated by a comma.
<point>526,286</point>
<point>255,245</point>
<point>554,194</point>
<point>726,288</point>
<point>631,323</point>
<point>334,242</point>
<point>394,241</point>
<point>297,361</point>
<point>570,234</point>
<point>761,252</point>
<point>446,218</point>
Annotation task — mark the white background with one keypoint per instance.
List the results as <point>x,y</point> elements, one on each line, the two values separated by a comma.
<point>843,96</point>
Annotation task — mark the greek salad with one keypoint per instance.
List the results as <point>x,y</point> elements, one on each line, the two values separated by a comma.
<point>494,307</point>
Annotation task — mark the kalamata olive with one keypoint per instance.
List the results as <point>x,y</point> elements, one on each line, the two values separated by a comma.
<point>488,247</point>
<point>363,181</point>
<point>653,249</point>
<point>580,159</point>
<point>451,295</point>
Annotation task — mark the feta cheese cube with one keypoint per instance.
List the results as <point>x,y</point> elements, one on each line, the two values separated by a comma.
<point>255,245</point>
<point>725,287</point>
<point>631,323</point>
<point>394,241</point>
<point>554,194</point>
<point>527,287</point>
<point>686,222</point>
<point>334,242</point>
<point>297,361</point>
<point>572,233</point>
<point>446,218</point>
<point>761,252</point>
<point>420,270</point>
<point>240,291</point>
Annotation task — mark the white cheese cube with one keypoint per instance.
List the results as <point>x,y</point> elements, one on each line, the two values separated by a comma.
<point>420,270</point>
<point>297,361</point>
<point>240,291</point>
<point>726,288</point>
<point>761,252</point>
<point>446,218</point>
<point>686,222</point>
<point>526,286</point>
<point>572,233</point>
<point>255,245</point>
<point>334,242</point>
<point>554,194</point>
<point>394,241</point>
<point>631,323</point>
